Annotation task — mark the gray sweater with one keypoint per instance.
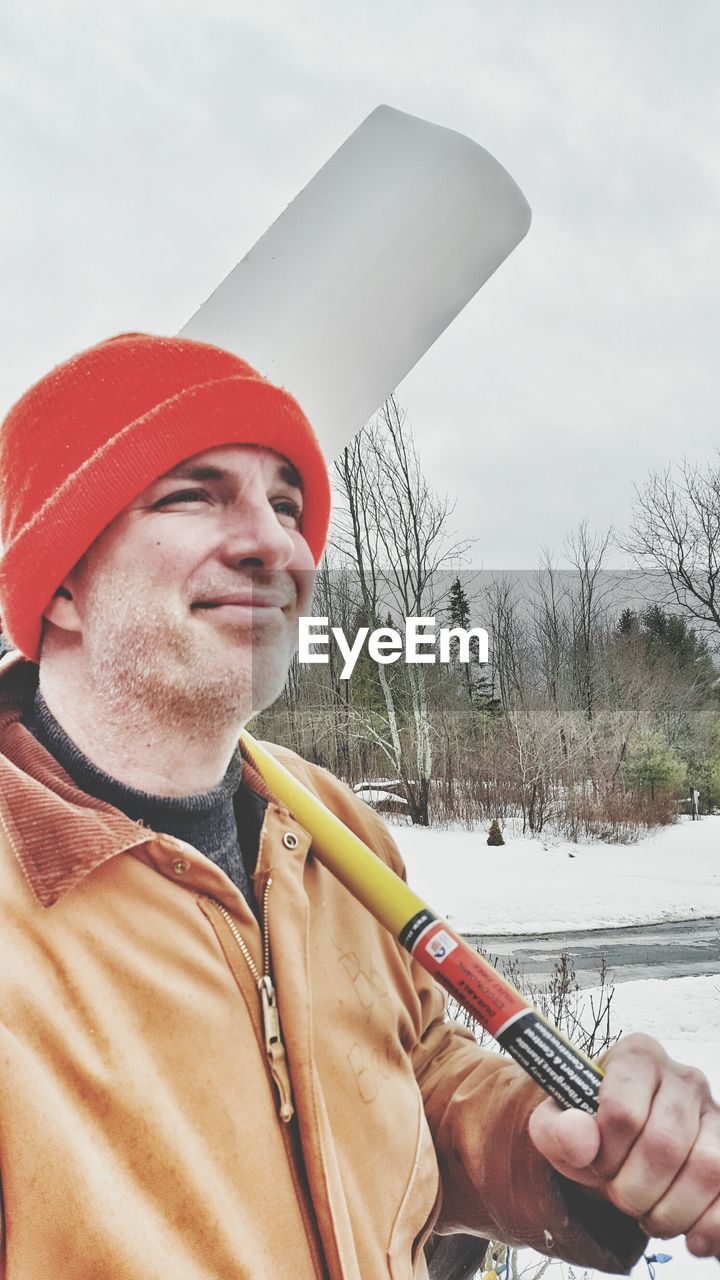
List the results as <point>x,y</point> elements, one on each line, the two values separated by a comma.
<point>223,823</point>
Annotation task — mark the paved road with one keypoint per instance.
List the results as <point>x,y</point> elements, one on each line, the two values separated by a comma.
<point>639,951</point>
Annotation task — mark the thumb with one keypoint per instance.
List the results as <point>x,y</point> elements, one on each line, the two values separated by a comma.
<point>569,1140</point>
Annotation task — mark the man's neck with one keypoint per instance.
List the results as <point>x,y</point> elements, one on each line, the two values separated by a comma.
<point>142,748</point>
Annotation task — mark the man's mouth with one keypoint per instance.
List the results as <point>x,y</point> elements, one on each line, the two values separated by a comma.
<point>257,601</point>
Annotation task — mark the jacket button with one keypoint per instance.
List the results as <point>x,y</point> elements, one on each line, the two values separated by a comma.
<point>180,866</point>
<point>290,840</point>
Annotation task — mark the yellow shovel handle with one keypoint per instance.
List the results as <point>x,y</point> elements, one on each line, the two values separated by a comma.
<point>563,1071</point>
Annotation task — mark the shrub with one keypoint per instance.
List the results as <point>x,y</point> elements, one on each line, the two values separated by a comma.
<point>615,816</point>
<point>495,835</point>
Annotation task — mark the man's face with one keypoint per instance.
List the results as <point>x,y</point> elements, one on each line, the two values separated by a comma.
<point>189,600</point>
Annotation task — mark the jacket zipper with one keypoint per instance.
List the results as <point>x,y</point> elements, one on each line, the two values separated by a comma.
<point>274,1047</point>
<point>277,1061</point>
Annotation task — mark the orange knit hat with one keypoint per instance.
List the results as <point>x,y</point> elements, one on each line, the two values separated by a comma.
<point>91,435</point>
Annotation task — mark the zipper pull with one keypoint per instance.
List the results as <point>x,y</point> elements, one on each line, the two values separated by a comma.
<point>274,1047</point>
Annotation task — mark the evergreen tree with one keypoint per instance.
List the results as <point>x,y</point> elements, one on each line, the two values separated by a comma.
<point>671,635</point>
<point>459,609</point>
<point>629,623</point>
<point>669,641</point>
<point>478,685</point>
<point>495,835</point>
<point>651,765</point>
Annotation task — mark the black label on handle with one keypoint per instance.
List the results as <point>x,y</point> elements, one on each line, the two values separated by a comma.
<point>567,1075</point>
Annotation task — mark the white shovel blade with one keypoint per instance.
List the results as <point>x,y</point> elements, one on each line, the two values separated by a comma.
<point>366,267</point>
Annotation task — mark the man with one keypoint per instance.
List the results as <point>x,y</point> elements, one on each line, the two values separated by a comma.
<point>213,1062</point>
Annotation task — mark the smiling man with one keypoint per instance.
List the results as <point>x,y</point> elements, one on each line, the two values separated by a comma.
<point>213,1062</point>
<point>197,586</point>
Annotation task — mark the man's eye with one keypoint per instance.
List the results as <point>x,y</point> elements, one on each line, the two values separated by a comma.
<point>287,508</point>
<point>184,495</point>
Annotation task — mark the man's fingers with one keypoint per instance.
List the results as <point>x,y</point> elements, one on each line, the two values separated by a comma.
<point>696,1188</point>
<point>569,1140</point>
<point>662,1150</point>
<point>703,1239</point>
<point>632,1077</point>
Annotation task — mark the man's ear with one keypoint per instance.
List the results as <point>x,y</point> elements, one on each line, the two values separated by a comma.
<point>61,610</point>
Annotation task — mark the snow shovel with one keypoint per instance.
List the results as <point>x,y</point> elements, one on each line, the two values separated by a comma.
<point>352,284</point>
<point>337,301</point>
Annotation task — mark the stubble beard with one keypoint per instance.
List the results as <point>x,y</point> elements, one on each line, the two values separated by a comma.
<point>149,665</point>
<point>146,667</point>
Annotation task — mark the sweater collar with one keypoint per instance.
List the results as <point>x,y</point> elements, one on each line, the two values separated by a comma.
<point>59,833</point>
<point>205,819</point>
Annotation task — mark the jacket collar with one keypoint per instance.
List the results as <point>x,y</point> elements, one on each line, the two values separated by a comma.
<point>58,833</point>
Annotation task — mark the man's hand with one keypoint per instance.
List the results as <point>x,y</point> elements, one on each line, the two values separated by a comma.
<point>654,1148</point>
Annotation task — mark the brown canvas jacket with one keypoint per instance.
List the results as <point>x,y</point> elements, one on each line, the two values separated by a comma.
<point>141,1135</point>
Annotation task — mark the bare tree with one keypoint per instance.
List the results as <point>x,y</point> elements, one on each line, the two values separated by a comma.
<point>393,530</point>
<point>332,598</point>
<point>587,553</point>
<point>537,755</point>
<point>552,618</point>
<point>510,651</point>
<point>552,632</point>
<point>675,535</point>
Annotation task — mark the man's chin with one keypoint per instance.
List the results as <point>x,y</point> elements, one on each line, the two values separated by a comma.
<point>267,684</point>
<point>256,664</point>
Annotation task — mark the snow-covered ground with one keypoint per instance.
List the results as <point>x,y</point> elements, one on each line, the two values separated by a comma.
<point>536,885</point>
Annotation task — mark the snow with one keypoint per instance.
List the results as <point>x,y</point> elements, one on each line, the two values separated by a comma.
<point>360,787</point>
<point>540,886</point>
<point>687,1009</point>
<point>373,795</point>
<point>537,886</point>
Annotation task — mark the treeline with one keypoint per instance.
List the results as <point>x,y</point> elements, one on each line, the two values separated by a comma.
<point>589,720</point>
<point>592,727</point>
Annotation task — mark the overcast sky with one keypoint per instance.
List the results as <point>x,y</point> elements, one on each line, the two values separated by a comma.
<point>145,147</point>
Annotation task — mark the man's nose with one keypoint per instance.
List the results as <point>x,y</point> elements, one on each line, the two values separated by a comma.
<point>253,534</point>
